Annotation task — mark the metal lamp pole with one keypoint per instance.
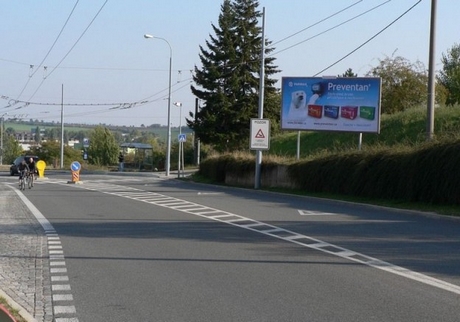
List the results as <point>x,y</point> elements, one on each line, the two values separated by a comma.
<point>168,139</point>
<point>181,153</point>
<point>1,139</point>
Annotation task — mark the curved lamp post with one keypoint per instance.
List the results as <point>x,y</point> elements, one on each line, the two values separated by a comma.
<point>168,139</point>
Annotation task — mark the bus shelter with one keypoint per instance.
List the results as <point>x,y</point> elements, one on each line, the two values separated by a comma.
<point>137,156</point>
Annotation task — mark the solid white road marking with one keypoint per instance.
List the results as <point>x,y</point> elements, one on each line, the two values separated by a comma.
<point>315,213</point>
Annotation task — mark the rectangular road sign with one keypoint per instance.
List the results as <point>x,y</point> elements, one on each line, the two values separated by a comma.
<point>260,134</point>
<point>182,137</point>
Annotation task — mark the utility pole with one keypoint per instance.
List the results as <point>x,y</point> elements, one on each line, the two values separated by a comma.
<point>431,74</point>
<point>261,102</point>
<point>62,127</point>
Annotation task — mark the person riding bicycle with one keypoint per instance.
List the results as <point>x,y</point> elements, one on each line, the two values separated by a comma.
<point>32,169</point>
<point>32,166</point>
<point>23,168</point>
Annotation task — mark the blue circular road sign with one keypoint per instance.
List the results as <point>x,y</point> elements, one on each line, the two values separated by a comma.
<point>75,166</point>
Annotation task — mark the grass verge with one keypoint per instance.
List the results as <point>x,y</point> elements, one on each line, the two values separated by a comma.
<point>14,313</point>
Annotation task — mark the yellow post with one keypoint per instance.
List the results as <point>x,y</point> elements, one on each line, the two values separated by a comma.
<point>41,165</point>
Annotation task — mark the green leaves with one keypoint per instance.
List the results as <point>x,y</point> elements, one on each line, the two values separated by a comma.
<point>103,149</point>
<point>449,76</point>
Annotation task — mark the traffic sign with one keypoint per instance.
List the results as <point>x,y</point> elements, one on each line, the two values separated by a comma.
<point>260,134</point>
<point>182,137</point>
<point>85,142</point>
<point>75,166</point>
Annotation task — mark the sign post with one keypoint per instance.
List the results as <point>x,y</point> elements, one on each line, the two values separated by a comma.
<point>259,140</point>
<point>75,167</point>
<point>181,138</point>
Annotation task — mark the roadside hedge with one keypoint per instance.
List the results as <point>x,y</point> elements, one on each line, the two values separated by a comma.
<point>429,173</point>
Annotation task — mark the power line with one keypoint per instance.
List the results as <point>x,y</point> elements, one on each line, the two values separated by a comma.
<point>114,105</point>
<point>332,28</point>
<point>76,42</point>
<point>317,23</point>
<point>49,51</point>
<point>367,41</point>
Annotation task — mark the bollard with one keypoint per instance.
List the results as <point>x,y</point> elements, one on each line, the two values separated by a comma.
<point>75,167</point>
<point>41,165</point>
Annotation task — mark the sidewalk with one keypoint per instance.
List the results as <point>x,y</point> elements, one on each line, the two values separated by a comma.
<point>24,260</point>
<point>25,280</point>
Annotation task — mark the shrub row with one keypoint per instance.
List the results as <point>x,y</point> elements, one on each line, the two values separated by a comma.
<point>429,173</point>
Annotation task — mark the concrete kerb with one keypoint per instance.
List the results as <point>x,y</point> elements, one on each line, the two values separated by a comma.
<point>22,312</point>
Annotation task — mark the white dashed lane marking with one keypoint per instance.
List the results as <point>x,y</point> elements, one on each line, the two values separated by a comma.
<point>62,299</point>
<point>262,228</point>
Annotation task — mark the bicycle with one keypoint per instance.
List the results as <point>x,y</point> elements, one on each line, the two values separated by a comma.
<point>22,181</point>
<point>30,180</point>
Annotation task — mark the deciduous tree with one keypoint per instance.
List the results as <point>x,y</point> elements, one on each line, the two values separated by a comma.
<point>404,84</point>
<point>11,149</point>
<point>103,149</point>
<point>449,76</point>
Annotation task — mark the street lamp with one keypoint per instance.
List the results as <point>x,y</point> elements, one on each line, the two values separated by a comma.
<point>181,153</point>
<point>1,137</point>
<point>168,139</point>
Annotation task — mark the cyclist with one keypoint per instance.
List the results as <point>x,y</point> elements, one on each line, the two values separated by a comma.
<point>23,168</point>
<point>32,169</point>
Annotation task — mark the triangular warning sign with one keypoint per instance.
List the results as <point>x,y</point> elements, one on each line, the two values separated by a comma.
<point>260,135</point>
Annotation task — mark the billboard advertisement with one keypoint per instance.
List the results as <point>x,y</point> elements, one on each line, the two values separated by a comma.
<point>347,104</point>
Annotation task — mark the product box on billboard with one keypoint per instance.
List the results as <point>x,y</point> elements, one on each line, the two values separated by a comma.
<point>315,111</point>
<point>331,111</point>
<point>367,112</point>
<point>349,112</point>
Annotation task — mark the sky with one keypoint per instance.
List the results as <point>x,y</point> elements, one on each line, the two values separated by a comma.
<point>88,60</point>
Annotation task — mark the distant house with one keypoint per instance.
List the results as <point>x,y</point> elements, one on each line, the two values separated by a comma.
<point>24,137</point>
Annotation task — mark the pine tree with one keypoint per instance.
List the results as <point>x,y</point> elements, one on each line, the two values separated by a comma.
<point>349,73</point>
<point>229,78</point>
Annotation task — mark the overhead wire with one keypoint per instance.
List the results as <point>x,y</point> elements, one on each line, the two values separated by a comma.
<point>314,24</point>
<point>367,41</point>
<point>318,22</point>
<point>332,28</point>
<point>70,50</point>
<point>114,106</point>
<point>49,51</point>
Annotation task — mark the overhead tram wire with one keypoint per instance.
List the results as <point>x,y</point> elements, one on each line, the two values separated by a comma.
<point>332,28</point>
<point>49,51</point>
<point>65,56</point>
<point>135,104</point>
<point>367,41</point>
<point>114,106</point>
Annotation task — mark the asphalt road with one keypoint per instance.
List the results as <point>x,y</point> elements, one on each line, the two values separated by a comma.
<point>148,249</point>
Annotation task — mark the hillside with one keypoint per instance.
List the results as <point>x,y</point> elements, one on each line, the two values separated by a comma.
<point>407,128</point>
<point>28,126</point>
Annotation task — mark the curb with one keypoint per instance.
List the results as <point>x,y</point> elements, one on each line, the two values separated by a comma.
<point>22,312</point>
<point>5,311</point>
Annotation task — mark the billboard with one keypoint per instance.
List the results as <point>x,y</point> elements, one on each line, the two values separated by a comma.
<point>348,104</point>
